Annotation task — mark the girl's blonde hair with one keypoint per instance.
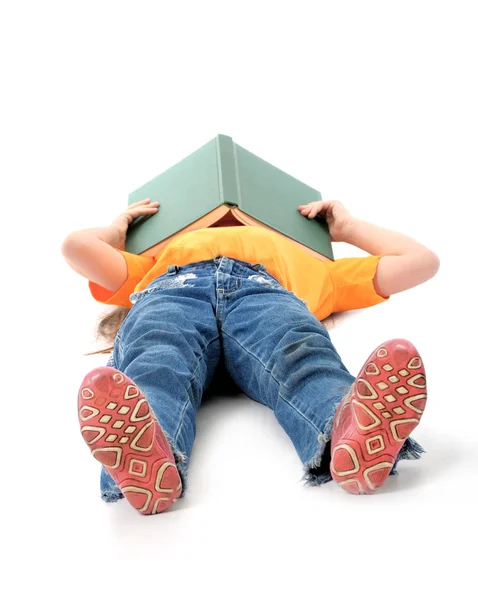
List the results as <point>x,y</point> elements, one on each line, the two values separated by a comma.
<point>108,327</point>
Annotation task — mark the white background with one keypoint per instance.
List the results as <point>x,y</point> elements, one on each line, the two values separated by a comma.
<point>372,103</point>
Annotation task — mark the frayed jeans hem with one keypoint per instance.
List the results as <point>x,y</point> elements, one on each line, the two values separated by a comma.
<point>317,469</point>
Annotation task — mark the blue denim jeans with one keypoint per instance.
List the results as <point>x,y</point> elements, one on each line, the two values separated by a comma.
<point>274,349</point>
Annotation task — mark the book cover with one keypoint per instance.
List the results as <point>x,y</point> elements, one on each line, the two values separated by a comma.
<point>222,182</point>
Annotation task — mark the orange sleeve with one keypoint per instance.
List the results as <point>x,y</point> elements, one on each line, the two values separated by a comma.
<point>138,267</point>
<point>352,280</point>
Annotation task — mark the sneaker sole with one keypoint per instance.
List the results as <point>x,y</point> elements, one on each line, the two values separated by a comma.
<point>386,402</point>
<point>125,437</point>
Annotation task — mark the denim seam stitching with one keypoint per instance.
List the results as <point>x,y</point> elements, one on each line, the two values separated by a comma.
<point>181,419</point>
<point>279,384</point>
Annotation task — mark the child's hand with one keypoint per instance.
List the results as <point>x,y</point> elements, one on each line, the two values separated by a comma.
<point>121,223</point>
<point>334,212</point>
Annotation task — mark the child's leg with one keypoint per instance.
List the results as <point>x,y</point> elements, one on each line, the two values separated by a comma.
<point>169,347</point>
<point>281,355</point>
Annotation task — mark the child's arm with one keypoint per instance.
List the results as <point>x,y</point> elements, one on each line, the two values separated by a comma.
<point>405,262</point>
<point>93,253</point>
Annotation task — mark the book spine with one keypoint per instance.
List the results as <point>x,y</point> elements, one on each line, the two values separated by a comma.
<point>227,171</point>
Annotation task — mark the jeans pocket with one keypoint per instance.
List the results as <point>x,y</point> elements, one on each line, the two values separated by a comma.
<point>163,282</point>
<point>268,280</point>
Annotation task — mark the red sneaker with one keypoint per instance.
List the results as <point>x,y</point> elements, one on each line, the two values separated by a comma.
<point>124,435</point>
<point>374,419</point>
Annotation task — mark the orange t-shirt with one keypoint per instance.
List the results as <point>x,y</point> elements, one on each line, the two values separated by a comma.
<point>326,287</point>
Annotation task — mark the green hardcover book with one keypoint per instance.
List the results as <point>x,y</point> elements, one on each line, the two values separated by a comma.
<point>222,174</point>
